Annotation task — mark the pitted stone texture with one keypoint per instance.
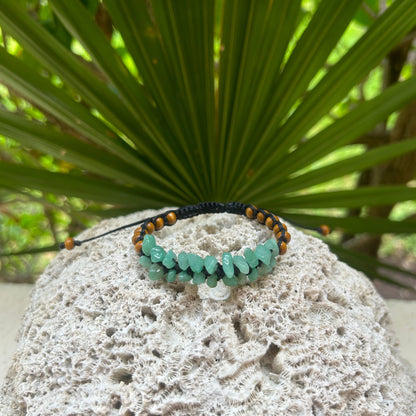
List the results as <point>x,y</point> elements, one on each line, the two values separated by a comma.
<point>311,338</point>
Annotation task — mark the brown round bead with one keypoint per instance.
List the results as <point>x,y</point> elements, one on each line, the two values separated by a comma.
<point>269,223</point>
<point>276,229</point>
<point>260,217</point>
<point>278,235</point>
<point>138,246</point>
<point>159,223</point>
<point>150,227</point>
<point>282,248</point>
<point>250,213</point>
<point>137,234</point>
<point>69,243</point>
<point>284,226</point>
<point>324,229</point>
<point>135,238</point>
<point>288,237</point>
<point>171,218</point>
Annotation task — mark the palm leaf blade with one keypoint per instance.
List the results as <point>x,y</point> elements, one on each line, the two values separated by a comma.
<point>381,37</point>
<point>64,147</point>
<point>365,196</point>
<point>371,267</point>
<point>350,165</point>
<point>91,189</point>
<point>353,225</point>
<point>263,52</point>
<point>391,27</point>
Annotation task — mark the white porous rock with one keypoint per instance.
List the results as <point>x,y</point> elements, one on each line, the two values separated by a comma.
<point>311,338</point>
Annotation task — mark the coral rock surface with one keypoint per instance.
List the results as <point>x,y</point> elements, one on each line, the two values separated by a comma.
<point>311,338</point>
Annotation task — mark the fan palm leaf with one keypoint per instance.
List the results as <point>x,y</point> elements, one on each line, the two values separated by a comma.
<point>210,100</point>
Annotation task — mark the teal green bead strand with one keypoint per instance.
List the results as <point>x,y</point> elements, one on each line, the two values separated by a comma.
<point>169,259</point>
<point>241,279</point>
<point>212,281</point>
<point>230,281</point>
<point>149,242</point>
<point>241,264</point>
<point>171,276</point>
<point>271,244</point>
<point>253,276</point>
<point>198,278</point>
<point>196,263</point>
<point>157,254</point>
<point>251,258</point>
<point>156,272</point>
<point>263,254</point>
<point>211,264</point>
<point>228,266</point>
<point>145,261</point>
<point>183,260</point>
<point>184,277</point>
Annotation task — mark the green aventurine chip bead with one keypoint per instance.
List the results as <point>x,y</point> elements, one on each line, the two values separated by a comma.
<point>171,276</point>
<point>156,272</point>
<point>212,280</point>
<point>272,245</point>
<point>184,277</point>
<point>198,278</point>
<point>145,261</point>
<point>241,279</point>
<point>157,254</point>
<point>263,254</point>
<point>196,263</point>
<point>183,261</point>
<point>251,258</point>
<point>230,281</point>
<point>210,263</point>
<point>264,268</point>
<point>241,264</point>
<point>227,265</point>
<point>253,275</point>
<point>148,243</point>
<point>168,261</point>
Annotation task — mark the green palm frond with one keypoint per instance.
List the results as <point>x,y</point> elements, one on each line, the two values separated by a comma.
<point>204,100</point>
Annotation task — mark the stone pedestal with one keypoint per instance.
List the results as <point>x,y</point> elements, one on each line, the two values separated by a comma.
<point>311,338</point>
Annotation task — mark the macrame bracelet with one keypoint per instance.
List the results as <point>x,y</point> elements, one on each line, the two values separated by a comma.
<point>233,271</point>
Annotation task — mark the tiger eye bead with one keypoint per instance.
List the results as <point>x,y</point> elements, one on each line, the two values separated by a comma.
<point>260,217</point>
<point>138,246</point>
<point>159,223</point>
<point>276,229</point>
<point>282,248</point>
<point>137,233</point>
<point>269,223</point>
<point>250,213</point>
<point>288,237</point>
<point>171,218</point>
<point>69,243</point>
<point>284,226</point>
<point>324,229</point>
<point>150,227</point>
